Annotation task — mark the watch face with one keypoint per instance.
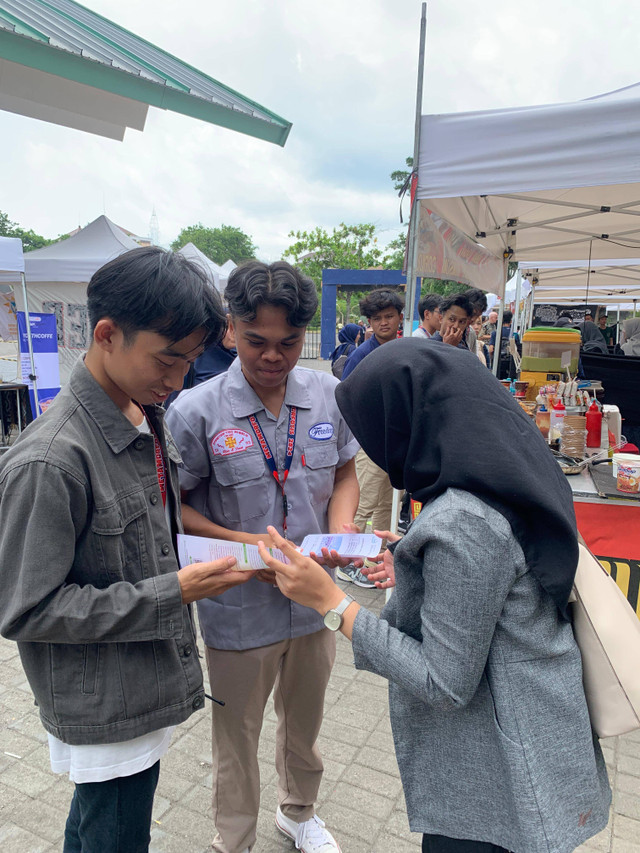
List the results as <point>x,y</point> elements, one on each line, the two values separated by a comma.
<point>333,620</point>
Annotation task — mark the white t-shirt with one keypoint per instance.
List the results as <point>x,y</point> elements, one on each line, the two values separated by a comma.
<point>420,332</point>
<point>104,761</point>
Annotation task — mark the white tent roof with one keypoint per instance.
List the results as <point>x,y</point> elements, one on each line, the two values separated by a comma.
<point>11,255</point>
<point>211,269</point>
<point>76,258</point>
<point>549,182</point>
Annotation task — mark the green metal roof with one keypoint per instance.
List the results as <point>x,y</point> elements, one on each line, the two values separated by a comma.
<point>65,39</point>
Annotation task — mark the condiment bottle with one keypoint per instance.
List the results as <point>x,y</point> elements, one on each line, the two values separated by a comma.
<point>542,421</point>
<point>556,423</point>
<point>594,425</point>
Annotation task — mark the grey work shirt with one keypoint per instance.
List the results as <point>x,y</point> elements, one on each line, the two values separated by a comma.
<point>229,482</point>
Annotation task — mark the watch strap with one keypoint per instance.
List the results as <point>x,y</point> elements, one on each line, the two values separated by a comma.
<point>340,608</point>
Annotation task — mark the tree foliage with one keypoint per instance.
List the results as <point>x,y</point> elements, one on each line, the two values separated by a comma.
<point>218,244</point>
<point>399,177</point>
<point>353,247</point>
<point>30,240</point>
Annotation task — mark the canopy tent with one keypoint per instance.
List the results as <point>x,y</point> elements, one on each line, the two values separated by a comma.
<point>539,183</point>
<point>57,278</point>
<point>64,64</point>
<point>211,270</point>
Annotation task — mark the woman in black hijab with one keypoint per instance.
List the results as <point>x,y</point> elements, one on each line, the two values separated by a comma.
<point>490,723</point>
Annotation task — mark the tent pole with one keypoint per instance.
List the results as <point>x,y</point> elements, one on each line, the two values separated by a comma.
<point>415,210</point>
<point>30,344</point>
<point>516,313</point>
<point>496,348</point>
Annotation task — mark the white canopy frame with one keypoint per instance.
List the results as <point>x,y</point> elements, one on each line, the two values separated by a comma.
<point>12,263</point>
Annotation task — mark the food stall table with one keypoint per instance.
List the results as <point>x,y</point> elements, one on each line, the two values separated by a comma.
<point>611,529</point>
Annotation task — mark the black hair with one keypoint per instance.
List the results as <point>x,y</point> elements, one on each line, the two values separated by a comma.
<point>152,289</point>
<point>380,299</point>
<point>507,317</point>
<point>478,300</point>
<point>458,299</point>
<point>280,285</point>
<point>430,302</point>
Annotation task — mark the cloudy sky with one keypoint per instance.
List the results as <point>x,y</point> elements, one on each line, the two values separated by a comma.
<point>344,73</point>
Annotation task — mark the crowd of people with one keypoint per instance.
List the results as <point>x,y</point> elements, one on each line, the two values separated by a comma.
<point>490,722</point>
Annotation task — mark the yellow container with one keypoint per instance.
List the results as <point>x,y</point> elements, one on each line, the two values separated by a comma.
<point>537,380</point>
<point>543,350</point>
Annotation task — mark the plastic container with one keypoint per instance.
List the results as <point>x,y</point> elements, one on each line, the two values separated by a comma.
<point>628,476</point>
<point>594,425</point>
<point>543,416</point>
<point>556,423</point>
<point>623,458</point>
<point>543,349</point>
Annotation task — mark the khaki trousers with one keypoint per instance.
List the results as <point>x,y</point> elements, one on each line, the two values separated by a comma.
<point>376,494</point>
<point>298,671</point>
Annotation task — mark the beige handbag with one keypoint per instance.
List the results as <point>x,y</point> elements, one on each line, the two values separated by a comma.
<point>608,634</point>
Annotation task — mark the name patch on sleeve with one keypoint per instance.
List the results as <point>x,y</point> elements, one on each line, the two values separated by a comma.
<point>229,441</point>
<point>321,432</point>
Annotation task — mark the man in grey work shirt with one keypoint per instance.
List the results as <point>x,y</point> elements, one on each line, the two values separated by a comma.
<point>226,430</point>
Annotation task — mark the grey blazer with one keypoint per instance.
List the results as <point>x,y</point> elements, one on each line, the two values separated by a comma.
<point>489,718</point>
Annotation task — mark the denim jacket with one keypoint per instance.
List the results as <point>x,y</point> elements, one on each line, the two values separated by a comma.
<point>88,583</point>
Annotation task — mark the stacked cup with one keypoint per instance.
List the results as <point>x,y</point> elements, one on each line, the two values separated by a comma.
<point>574,435</point>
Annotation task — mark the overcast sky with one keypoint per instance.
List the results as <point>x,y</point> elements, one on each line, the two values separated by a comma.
<point>344,73</point>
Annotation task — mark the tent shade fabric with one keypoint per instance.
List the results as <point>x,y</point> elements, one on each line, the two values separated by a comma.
<point>76,258</point>
<point>62,39</point>
<point>11,256</point>
<point>548,182</point>
<point>211,270</point>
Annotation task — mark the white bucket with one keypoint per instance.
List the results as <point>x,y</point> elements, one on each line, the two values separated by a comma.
<point>623,457</point>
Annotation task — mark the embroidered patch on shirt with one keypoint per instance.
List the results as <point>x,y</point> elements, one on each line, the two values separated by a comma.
<point>321,432</point>
<point>230,441</point>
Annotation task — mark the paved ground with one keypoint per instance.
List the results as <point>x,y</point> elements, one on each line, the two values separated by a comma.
<point>360,799</point>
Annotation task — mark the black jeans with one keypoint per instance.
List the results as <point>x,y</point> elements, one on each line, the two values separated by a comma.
<point>442,844</point>
<point>112,816</point>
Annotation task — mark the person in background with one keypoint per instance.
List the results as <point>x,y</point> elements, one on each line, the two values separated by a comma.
<point>489,326</point>
<point>631,334</point>
<point>91,587</point>
<point>482,351</point>
<point>456,312</point>
<point>216,359</point>
<point>265,444</point>
<point>348,337</point>
<point>506,367</point>
<point>490,722</point>
<point>591,338</point>
<point>588,317</point>
<point>478,301</point>
<point>607,332</point>
<point>429,315</point>
<point>383,309</point>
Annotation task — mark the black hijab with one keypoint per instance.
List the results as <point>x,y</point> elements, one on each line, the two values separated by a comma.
<point>434,418</point>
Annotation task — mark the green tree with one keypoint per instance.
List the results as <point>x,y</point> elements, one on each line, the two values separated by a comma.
<point>399,177</point>
<point>353,247</point>
<point>218,244</point>
<point>30,240</point>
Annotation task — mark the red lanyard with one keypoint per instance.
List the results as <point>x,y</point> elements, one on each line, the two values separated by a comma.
<point>288,458</point>
<point>161,468</point>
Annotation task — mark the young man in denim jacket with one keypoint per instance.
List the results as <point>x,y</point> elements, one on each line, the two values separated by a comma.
<point>90,586</point>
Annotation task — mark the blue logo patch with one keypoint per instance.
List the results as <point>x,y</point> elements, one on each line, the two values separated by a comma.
<point>321,432</point>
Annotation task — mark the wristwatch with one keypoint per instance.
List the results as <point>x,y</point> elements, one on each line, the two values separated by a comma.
<point>333,618</point>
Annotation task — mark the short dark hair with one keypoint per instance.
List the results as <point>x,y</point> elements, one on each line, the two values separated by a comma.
<point>152,289</point>
<point>478,300</point>
<point>280,285</point>
<point>459,300</point>
<point>429,302</point>
<point>380,299</point>
<point>507,317</point>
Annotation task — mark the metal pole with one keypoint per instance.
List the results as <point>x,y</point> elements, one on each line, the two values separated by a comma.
<point>496,348</point>
<point>30,345</point>
<point>415,210</point>
<point>516,313</point>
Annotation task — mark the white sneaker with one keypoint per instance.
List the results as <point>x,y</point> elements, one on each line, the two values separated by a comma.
<point>309,836</point>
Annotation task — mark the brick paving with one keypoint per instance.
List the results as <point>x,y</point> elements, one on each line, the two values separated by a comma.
<point>360,799</point>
